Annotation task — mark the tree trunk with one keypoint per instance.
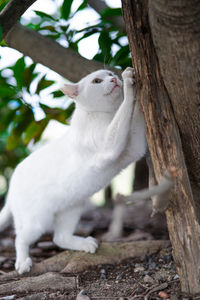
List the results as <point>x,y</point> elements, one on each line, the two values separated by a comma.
<point>165,77</point>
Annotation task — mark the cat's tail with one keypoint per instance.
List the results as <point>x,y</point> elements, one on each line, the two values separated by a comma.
<point>5,217</point>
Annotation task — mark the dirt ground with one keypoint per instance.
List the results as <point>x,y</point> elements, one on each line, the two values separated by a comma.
<point>145,277</point>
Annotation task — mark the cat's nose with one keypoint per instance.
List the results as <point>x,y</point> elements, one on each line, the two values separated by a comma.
<point>113,79</point>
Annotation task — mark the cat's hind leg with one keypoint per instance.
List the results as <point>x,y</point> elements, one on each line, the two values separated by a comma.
<point>64,227</point>
<point>25,236</point>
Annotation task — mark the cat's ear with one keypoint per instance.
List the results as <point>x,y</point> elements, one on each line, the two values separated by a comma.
<point>71,90</point>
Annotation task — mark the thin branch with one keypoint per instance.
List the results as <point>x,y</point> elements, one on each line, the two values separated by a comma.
<point>100,5</point>
<point>11,14</point>
<point>162,189</point>
<point>41,49</point>
<point>46,51</point>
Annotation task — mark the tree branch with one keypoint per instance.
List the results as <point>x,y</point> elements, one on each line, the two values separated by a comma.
<point>41,49</point>
<point>11,14</point>
<point>99,6</point>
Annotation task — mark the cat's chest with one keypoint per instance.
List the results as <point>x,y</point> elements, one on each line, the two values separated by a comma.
<point>90,142</point>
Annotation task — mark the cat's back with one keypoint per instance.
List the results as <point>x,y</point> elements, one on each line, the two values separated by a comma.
<point>42,164</point>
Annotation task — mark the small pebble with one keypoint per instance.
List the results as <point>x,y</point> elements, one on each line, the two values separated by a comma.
<point>103,274</point>
<point>139,291</point>
<point>82,296</point>
<point>139,269</point>
<point>119,276</point>
<point>167,258</point>
<point>152,266</point>
<point>9,297</point>
<point>7,265</point>
<point>148,273</point>
<point>2,259</point>
<point>163,295</point>
<point>150,260</point>
<point>148,279</point>
<point>176,276</point>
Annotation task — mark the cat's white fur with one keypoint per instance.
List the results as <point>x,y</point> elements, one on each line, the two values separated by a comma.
<point>48,189</point>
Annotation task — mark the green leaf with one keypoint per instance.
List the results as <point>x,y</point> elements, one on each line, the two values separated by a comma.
<point>99,57</point>
<point>13,140</point>
<point>124,62</point>
<point>44,15</point>
<point>82,6</point>
<point>3,43</point>
<point>34,130</point>
<point>35,27</point>
<point>7,92</point>
<point>48,27</point>
<point>105,43</point>
<point>54,36</point>
<point>88,33</point>
<point>69,111</point>
<point>43,84</point>
<point>7,119</point>
<point>111,12</point>
<point>122,53</point>
<point>29,75</point>
<point>64,28</point>
<point>57,94</point>
<point>18,70</point>
<point>1,33</point>
<point>66,9</point>
<point>3,3</point>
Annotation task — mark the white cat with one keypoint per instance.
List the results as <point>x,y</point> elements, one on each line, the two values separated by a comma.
<point>48,189</point>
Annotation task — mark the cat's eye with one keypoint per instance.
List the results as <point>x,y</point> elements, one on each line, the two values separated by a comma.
<point>110,74</point>
<point>97,80</point>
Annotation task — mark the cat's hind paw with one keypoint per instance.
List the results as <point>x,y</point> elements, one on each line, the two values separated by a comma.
<point>24,266</point>
<point>90,244</point>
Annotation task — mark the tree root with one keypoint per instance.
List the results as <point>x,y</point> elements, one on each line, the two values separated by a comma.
<point>74,262</point>
<point>49,281</point>
<point>54,274</point>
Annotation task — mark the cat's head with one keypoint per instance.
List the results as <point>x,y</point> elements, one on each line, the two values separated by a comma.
<point>98,91</point>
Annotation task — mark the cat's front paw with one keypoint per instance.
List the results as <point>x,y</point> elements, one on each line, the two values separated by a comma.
<point>129,76</point>
<point>90,245</point>
<point>23,266</point>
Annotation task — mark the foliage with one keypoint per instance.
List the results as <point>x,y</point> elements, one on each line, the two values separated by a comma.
<point>18,126</point>
<point>17,120</point>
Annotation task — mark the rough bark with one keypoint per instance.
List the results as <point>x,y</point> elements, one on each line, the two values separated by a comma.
<point>11,14</point>
<point>41,49</point>
<point>163,135</point>
<point>179,60</point>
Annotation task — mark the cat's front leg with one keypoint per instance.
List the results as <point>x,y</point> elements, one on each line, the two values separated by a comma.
<point>116,137</point>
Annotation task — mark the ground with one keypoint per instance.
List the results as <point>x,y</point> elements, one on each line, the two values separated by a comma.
<point>149,276</point>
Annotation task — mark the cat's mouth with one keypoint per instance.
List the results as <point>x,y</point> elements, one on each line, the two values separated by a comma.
<point>113,88</point>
